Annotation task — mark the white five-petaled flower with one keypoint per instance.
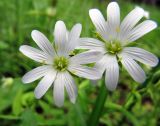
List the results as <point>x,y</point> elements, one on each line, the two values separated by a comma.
<point>115,38</point>
<point>58,64</point>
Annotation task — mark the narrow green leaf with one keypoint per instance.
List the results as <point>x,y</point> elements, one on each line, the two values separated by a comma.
<point>17,107</point>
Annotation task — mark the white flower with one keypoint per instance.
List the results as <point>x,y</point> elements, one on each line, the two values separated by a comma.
<point>146,14</point>
<point>58,64</point>
<point>116,37</point>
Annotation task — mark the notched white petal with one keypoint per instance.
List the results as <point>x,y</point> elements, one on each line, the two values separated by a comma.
<point>58,91</point>
<point>35,54</point>
<point>60,37</point>
<point>85,72</point>
<point>42,41</point>
<point>99,22</point>
<point>70,87</point>
<point>130,21</point>
<point>141,55</point>
<point>86,57</point>
<point>133,69</point>
<point>45,84</point>
<point>112,72</point>
<point>36,74</point>
<point>92,44</point>
<point>73,37</point>
<point>113,19</point>
<point>113,13</point>
<point>75,32</point>
<point>141,29</point>
<point>101,64</point>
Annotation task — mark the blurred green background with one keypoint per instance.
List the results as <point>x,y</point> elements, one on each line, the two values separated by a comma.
<point>130,105</point>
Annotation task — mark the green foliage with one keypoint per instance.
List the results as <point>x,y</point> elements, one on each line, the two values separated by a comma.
<point>131,104</point>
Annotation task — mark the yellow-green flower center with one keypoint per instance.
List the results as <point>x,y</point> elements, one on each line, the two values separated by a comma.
<point>60,63</point>
<point>113,47</point>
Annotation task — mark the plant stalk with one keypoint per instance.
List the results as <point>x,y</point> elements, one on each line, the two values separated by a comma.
<point>99,105</point>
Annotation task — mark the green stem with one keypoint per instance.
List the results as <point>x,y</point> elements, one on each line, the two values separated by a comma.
<point>9,117</point>
<point>99,105</point>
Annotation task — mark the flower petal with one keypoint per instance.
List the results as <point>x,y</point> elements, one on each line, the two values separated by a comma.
<point>36,54</point>
<point>99,22</point>
<point>73,37</point>
<point>130,21</point>
<point>85,72</point>
<point>42,41</point>
<point>86,57</point>
<point>58,92</point>
<point>36,73</point>
<point>101,64</point>
<point>60,36</point>
<point>113,19</point>
<point>141,29</point>
<point>112,73</point>
<point>92,44</point>
<point>133,69</point>
<point>70,87</point>
<point>141,55</point>
<point>45,84</point>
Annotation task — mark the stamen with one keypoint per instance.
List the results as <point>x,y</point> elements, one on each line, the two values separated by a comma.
<point>113,47</point>
<point>60,63</point>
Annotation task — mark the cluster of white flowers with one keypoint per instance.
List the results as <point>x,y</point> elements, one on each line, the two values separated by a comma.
<point>60,62</point>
